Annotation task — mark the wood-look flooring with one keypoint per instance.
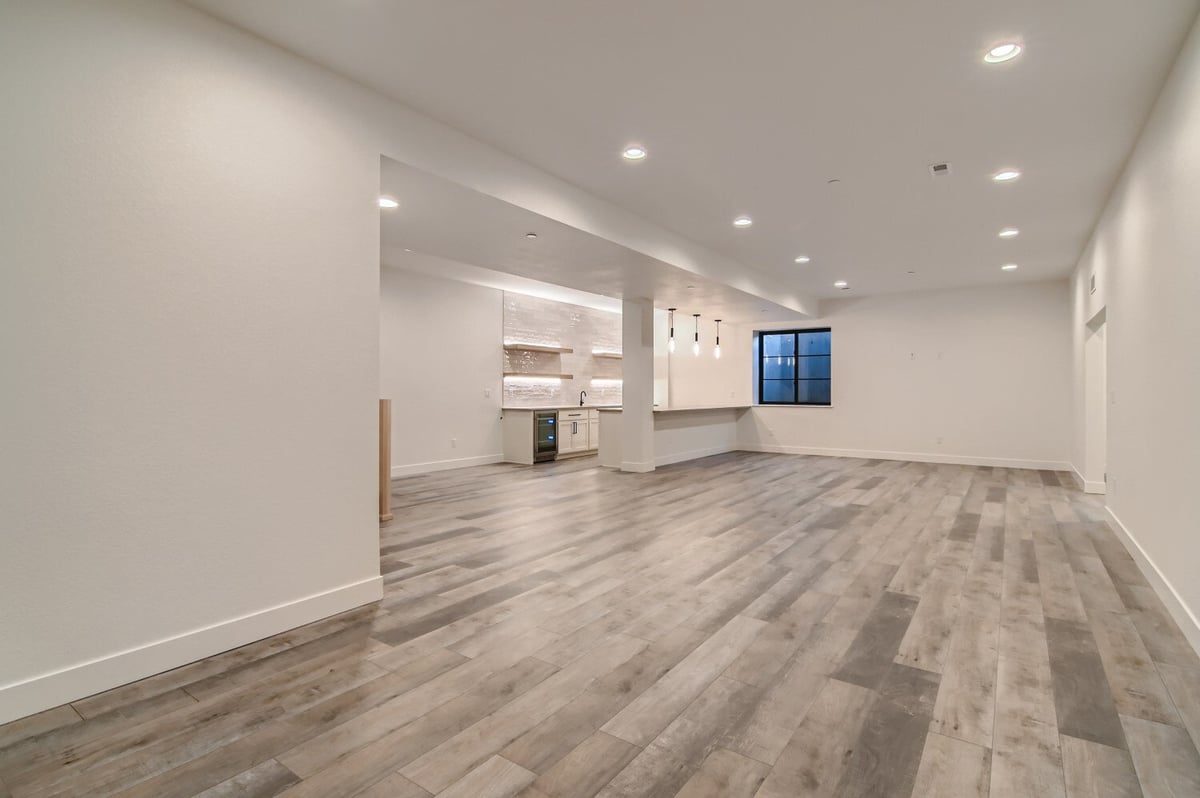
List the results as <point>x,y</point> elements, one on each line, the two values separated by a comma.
<point>743,625</point>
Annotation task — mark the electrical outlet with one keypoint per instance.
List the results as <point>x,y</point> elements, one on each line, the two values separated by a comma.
<point>487,393</point>
<point>454,443</point>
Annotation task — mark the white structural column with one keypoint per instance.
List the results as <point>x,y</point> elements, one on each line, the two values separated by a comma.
<point>637,416</point>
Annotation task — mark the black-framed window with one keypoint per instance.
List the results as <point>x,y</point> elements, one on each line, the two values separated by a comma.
<point>793,367</point>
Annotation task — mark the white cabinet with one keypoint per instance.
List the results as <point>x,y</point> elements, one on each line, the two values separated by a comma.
<point>578,431</point>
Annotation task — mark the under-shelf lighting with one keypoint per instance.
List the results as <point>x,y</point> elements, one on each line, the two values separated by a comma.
<point>525,378</point>
<point>696,341</point>
<point>606,382</point>
<point>717,348</point>
<point>554,345</point>
<point>671,335</point>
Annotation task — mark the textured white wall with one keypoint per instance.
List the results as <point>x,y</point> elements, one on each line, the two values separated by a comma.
<point>439,363</point>
<point>544,322</point>
<point>985,370</point>
<point>1144,253</point>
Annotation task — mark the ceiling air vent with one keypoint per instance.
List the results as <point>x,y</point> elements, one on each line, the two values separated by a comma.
<point>939,169</point>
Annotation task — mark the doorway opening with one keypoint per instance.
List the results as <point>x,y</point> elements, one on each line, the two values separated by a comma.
<point>1095,358</point>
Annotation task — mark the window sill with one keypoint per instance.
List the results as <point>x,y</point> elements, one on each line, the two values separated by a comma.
<point>804,407</point>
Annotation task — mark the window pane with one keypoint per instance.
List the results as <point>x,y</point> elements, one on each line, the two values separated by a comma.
<point>779,367</point>
<point>816,367</point>
<point>775,344</point>
<point>813,392</point>
<point>779,391</point>
<point>814,343</point>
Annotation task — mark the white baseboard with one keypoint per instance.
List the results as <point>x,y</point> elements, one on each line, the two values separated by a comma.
<point>637,468</point>
<point>1189,624</point>
<point>694,454</point>
<point>1086,486</point>
<point>104,673</point>
<point>916,457</point>
<point>444,465</point>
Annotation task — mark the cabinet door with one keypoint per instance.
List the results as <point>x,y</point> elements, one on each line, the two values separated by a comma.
<point>568,435</point>
<point>594,434</point>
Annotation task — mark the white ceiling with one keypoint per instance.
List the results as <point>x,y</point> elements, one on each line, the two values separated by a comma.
<point>445,229</point>
<point>750,107</point>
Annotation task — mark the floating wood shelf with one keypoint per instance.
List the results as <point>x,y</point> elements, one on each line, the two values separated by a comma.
<point>609,355</point>
<point>562,350</point>
<point>538,374</point>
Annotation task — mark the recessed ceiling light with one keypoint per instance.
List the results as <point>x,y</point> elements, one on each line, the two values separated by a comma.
<point>1002,52</point>
<point>910,271</point>
<point>841,284</point>
<point>633,153</point>
<point>388,202</point>
<point>1009,232</point>
<point>531,235</point>
<point>1009,267</point>
<point>802,259</point>
<point>743,221</point>
<point>1005,175</point>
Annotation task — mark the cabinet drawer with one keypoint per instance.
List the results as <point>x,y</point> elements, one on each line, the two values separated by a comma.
<point>571,415</point>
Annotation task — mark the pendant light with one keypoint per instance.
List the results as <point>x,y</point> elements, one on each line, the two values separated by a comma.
<point>717,348</point>
<point>696,343</point>
<point>671,336</point>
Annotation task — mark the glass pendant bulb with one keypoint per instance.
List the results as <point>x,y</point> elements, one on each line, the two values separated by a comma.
<point>717,348</point>
<point>696,339</point>
<point>671,334</point>
<point>671,345</point>
<point>696,349</point>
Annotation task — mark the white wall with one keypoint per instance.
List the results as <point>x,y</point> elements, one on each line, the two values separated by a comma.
<point>585,330</point>
<point>1145,253</point>
<point>986,371</point>
<point>190,334</point>
<point>687,435</point>
<point>706,381</point>
<point>440,356</point>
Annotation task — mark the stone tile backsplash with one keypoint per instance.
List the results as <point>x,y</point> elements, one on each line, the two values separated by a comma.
<point>543,322</point>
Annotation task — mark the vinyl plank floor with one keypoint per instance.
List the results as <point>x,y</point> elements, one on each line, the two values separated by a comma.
<point>1083,701</point>
<point>742,625</point>
<point>952,768</point>
<point>1093,770</point>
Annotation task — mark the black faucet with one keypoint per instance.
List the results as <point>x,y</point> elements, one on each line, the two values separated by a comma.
<point>581,395</point>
